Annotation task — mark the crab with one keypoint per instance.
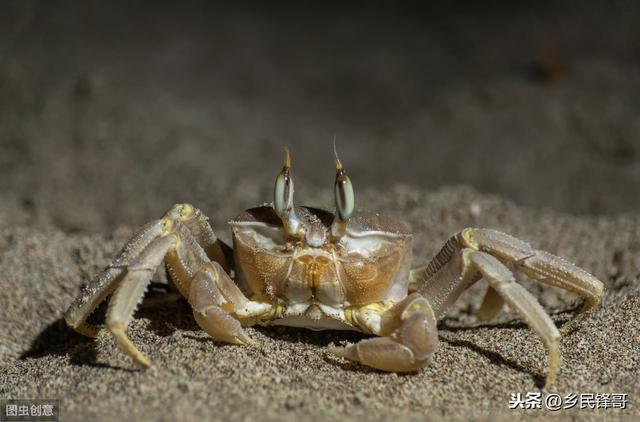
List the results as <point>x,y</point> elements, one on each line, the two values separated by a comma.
<point>307,267</point>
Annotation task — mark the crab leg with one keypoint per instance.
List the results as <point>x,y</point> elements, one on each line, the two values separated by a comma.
<point>524,303</point>
<point>480,253</point>
<point>433,281</point>
<point>131,291</point>
<point>179,239</point>
<point>410,338</point>
<point>198,224</point>
<point>539,265</point>
<point>491,305</point>
<point>105,282</point>
<point>203,282</point>
<point>467,266</point>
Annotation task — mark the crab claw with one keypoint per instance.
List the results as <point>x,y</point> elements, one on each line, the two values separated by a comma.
<point>411,338</point>
<point>221,326</point>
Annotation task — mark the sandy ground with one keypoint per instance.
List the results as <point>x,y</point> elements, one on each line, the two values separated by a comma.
<point>111,112</point>
<point>289,374</point>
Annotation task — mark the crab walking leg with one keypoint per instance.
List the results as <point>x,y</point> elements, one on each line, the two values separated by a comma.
<point>131,291</point>
<point>198,278</point>
<point>539,265</point>
<point>524,303</point>
<point>463,267</point>
<point>491,305</point>
<point>180,216</point>
<point>410,338</point>
<point>475,253</point>
<point>105,282</point>
<point>198,224</point>
<point>181,240</point>
<point>433,281</point>
<point>445,278</point>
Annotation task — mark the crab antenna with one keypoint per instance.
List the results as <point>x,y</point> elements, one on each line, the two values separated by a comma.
<point>287,158</point>
<point>344,199</point>
<point>283,200</point>
<point>335,154</point>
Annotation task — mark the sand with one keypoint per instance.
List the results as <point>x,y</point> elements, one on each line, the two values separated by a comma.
<point>289,374</point>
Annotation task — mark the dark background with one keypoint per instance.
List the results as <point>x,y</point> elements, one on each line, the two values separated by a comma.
<point>111,112</point>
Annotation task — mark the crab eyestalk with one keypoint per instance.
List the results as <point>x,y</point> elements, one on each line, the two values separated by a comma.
<point>283,200</point>
<point>345,201</point>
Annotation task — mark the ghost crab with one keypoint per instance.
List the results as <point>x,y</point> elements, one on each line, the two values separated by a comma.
<point>307,267</point>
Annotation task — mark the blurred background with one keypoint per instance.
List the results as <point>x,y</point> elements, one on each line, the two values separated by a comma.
<point>110,111</point>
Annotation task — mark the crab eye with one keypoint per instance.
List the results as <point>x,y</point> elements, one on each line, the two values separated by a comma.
<point>283,192</point>
<point>283,200</point>
<point>344,196</point>
<point>345,201</point>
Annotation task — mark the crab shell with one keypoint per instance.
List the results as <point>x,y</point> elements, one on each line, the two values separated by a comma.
<point>313,279</point>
